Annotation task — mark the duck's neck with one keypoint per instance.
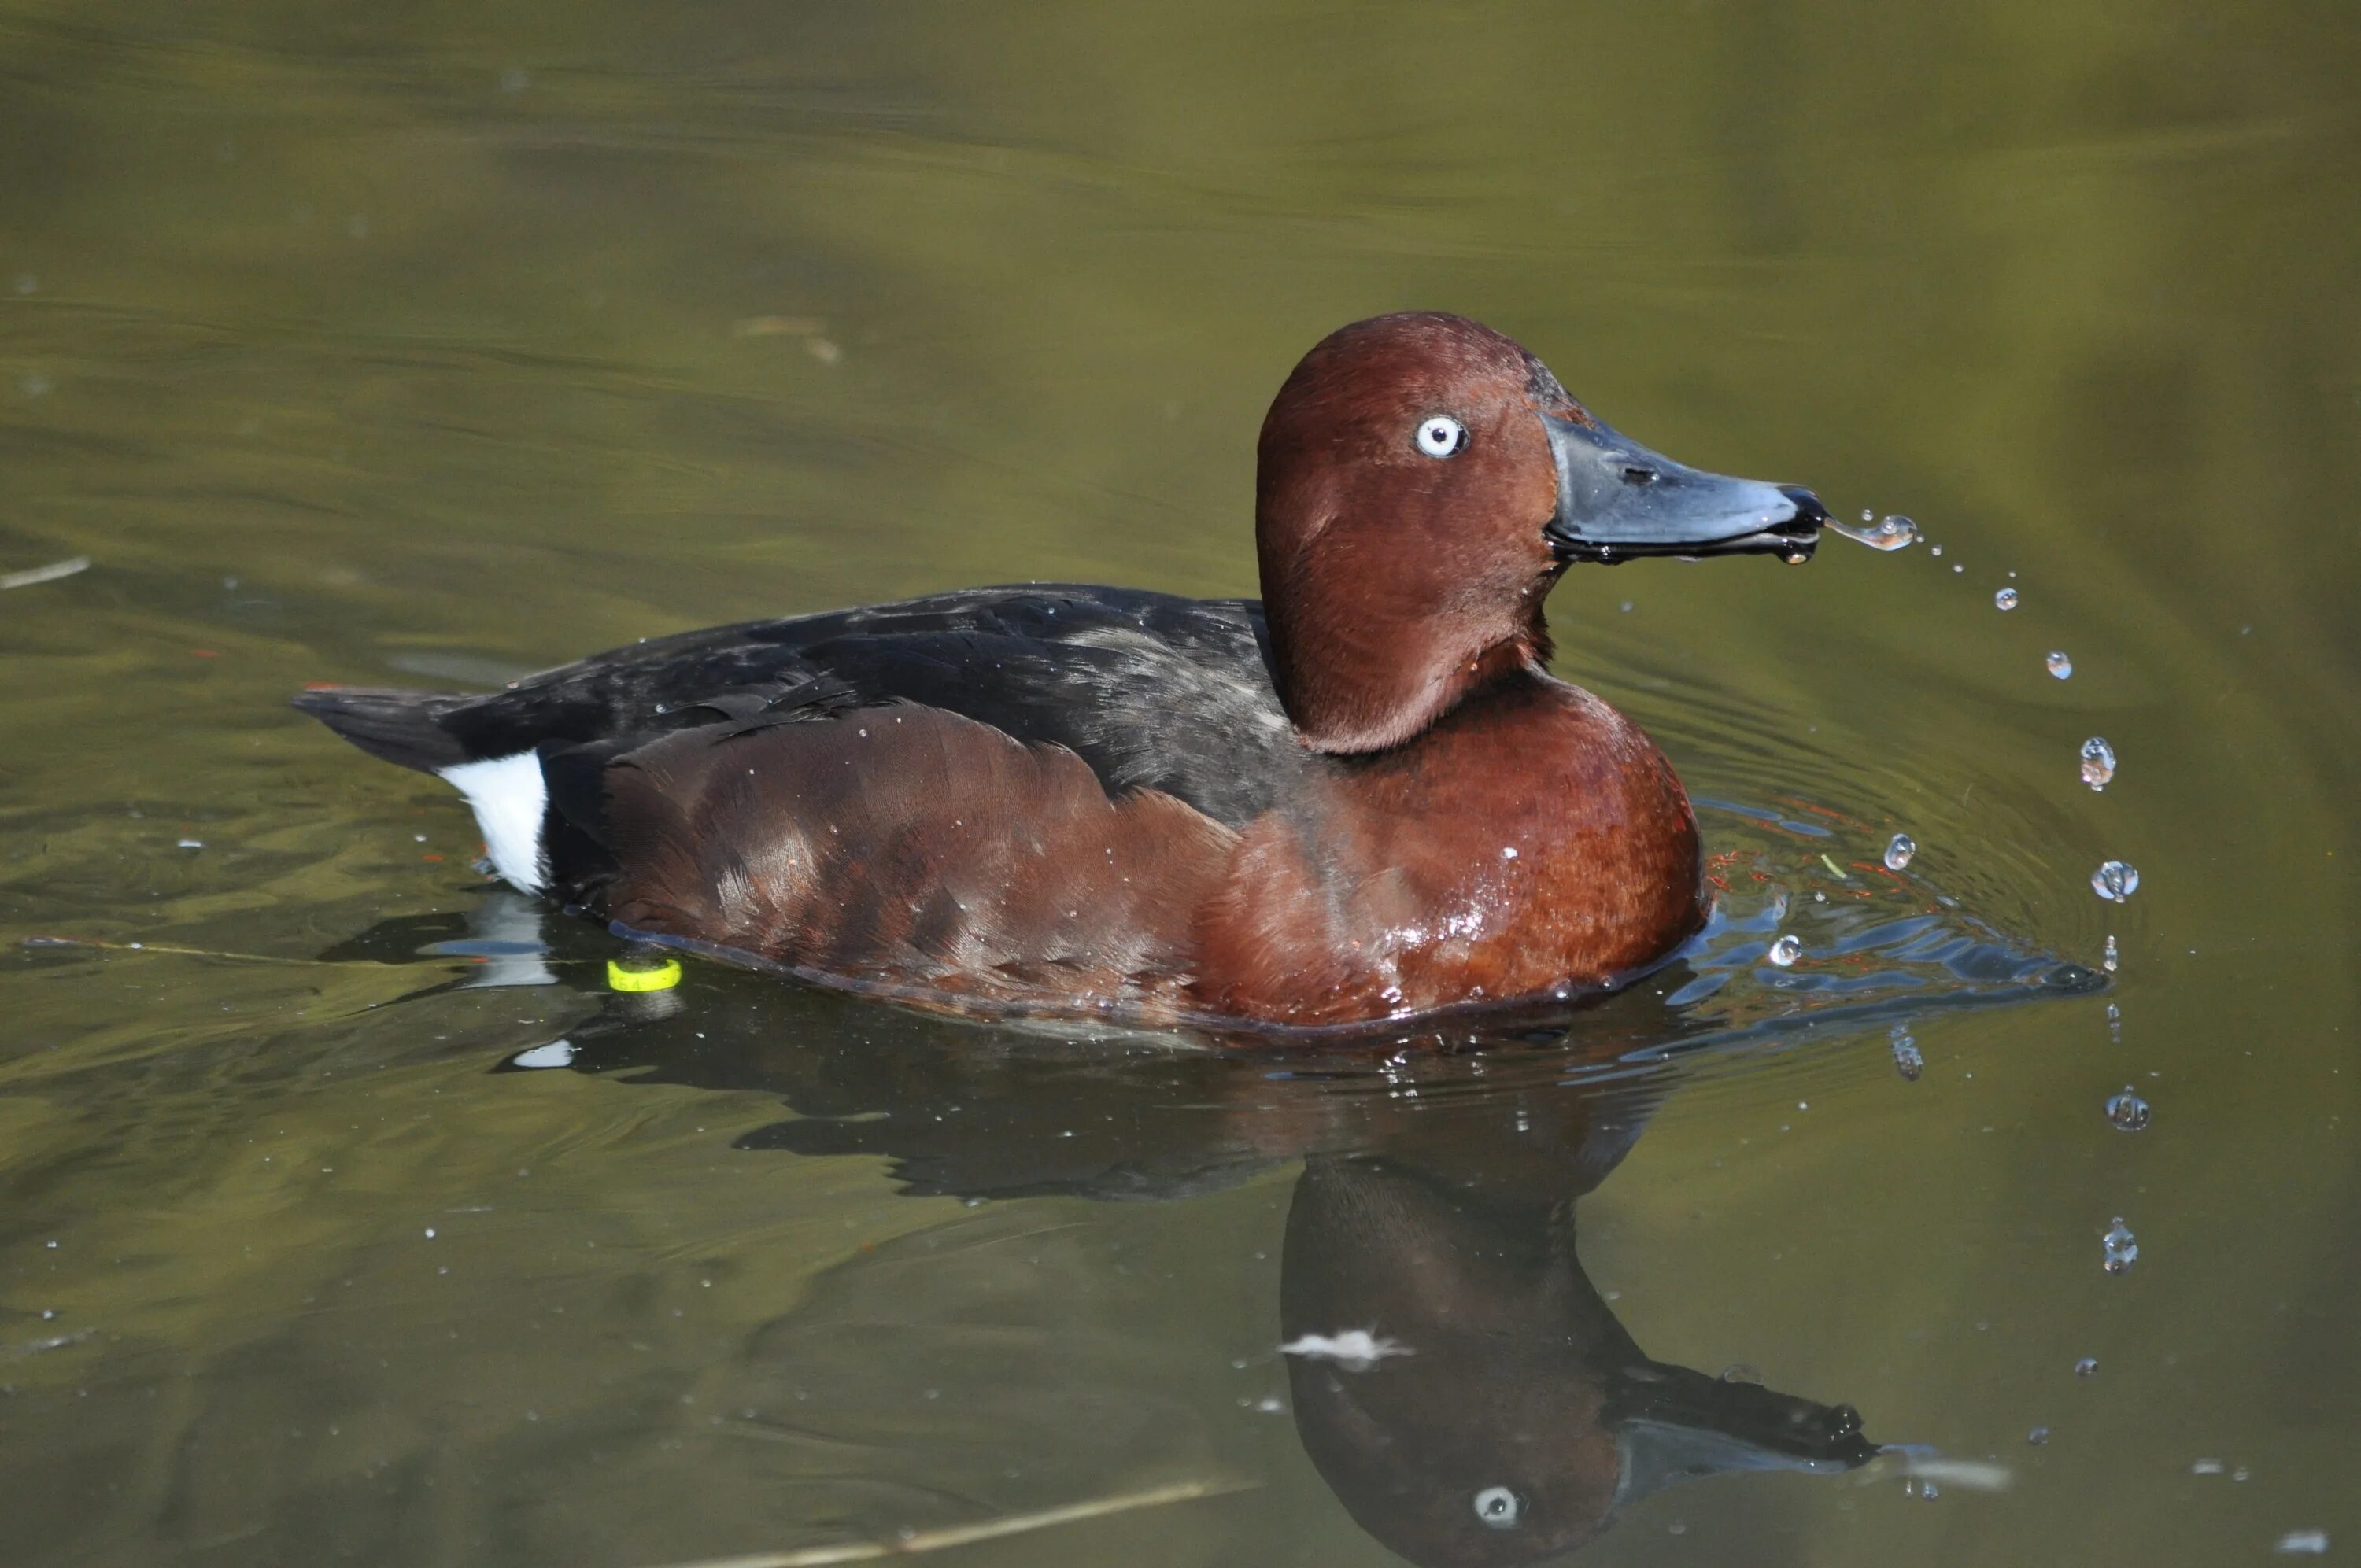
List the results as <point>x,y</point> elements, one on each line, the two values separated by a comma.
<point>1369,654</point>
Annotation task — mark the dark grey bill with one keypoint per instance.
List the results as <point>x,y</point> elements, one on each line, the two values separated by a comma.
<point>1617,500</point>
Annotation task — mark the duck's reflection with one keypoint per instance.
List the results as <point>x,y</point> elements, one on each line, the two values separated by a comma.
<point>1457,1381</point>
<point>1497,1410</point>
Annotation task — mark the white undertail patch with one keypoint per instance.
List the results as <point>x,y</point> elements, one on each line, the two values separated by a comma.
<point>509,800</point>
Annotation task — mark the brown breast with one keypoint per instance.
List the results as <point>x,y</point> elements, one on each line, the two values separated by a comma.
<point>1535,838</point>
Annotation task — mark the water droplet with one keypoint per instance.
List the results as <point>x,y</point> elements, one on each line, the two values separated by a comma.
<point>1785,951</point>
<point>2123,1247</point>
<point>1898,852</point>
<point>2127,1111</point>
<point>2302,1543</point>
<point>1935,548</point>
<point>1739,1371</point>
<point>2208,1467</point>
<point>1893,534</point>
<point>1907,1061</point>
<point>2098,763</point>
<point>2059,665</point>
<point>2115,880</point>
<point>2087,1367</point>
<point>2111,957</point>
<point>2037,1436</point>
<point>2004,599</point>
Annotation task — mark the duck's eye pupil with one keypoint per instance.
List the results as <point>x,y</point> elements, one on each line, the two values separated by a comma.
<point>1441,436</point>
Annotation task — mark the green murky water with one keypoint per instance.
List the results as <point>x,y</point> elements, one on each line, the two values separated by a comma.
<point>428,345</point>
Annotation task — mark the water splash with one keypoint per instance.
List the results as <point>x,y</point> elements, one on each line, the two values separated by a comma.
<point>2004,599</point>
<point>2115,880</point>
<point>1907,1061</point>
<point>1899,850</point>
<point>2111,957</point>
<point>1893,534</point>
<point>2059,665</point>
<point>2127,1111</point>
<point>1786,950</point>
<point>2123,1247</point>
<point>2098,763</point>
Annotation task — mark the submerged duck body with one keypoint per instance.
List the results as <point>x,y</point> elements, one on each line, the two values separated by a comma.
<point>1358,799</point>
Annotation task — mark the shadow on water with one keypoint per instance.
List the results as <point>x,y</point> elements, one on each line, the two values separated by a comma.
<point>1457,1381</point>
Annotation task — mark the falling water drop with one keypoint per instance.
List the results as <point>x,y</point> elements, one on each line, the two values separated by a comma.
<point>2127,1111</point>
<point>2004,599</point>
<point>2111,957</point>
<point>1786,950</point>
<point>2115,880</point>
<point>1898,850</point>
<point>2059,665</point>
<point>1907,1061</point>
<point>2087,1367</point>
<point>2123,1247</point>
<point>2098,763</point>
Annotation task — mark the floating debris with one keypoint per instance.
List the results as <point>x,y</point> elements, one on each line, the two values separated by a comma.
<point>2059,665</point>
<point>1355,1350</point>
<point>2111,956</point>
<point>2123,1247</point>
<point>2098,763</point>
<point>48,573</point>
<point>1786,950</point>
<point>2004,599</point>
<point>1899,850</point>
<point>2127,1111</point>
<point>1893,534</point>
<point>2115,880</point>
<point>2087,1367</point>
<point>1907,1061</point>
<point>557,1053</point>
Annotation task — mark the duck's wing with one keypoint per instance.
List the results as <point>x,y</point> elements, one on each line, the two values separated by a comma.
<point>1152,691</point>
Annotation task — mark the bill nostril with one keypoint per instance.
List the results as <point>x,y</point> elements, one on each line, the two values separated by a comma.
<point>1636,476</point>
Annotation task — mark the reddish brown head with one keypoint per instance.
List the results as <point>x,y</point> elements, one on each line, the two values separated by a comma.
<point>1422,481</point>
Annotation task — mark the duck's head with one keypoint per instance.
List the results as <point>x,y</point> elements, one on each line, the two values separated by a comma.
<point>1421,482</point>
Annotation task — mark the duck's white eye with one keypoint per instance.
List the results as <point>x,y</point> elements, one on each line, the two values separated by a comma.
<point>1498,1508</point>
<point>1440,435</point>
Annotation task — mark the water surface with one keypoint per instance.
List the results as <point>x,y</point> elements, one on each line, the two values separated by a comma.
<point>429,346</point>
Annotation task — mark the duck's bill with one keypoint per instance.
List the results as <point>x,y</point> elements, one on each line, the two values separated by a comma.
<point>1689,1425</point>
<point>1618,501</point>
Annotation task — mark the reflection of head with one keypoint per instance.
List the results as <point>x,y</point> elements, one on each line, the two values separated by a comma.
<point>1524,1417</point>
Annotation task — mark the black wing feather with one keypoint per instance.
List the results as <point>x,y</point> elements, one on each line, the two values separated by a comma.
<point>1151,690</point>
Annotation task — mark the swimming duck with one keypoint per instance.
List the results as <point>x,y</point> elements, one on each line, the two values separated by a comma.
<point>1361,798</point>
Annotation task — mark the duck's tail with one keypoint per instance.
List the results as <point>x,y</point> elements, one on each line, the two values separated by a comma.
<point>402,726</point>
